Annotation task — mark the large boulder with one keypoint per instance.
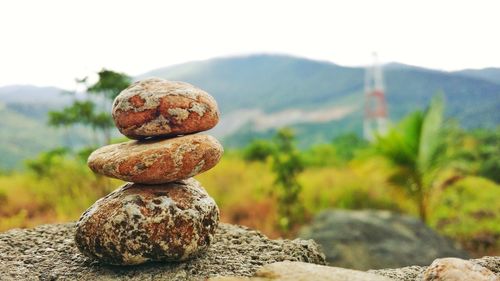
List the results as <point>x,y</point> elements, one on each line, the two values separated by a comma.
<point>49,253</point>
<point>165,222</point>
<point>371,239</point>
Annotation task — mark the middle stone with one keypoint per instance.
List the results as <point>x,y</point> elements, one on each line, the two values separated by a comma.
<point>157,161</point>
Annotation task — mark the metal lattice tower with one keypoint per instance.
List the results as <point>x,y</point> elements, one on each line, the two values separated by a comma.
<point>375,120</point>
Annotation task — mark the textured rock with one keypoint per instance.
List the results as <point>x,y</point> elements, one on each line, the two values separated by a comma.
<point>49,253</point>
<point>157,161</point>
<point>453,269</point>
<point>157,107</point>
<point>408,273</point>
<point>140,223</point>
<point>415,273</point>
<point>377,239</point>
<point>300,271</point>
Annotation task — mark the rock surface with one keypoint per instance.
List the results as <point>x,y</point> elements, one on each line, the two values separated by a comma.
<point>49,253</point>
<point>284,271</point>
<point>300,271</point>
<point>140,223</point>
<point>157,107</point>
<point>377,239</point>
<point>453,269</point>
<point>157,161</point>
<point>416,273</point>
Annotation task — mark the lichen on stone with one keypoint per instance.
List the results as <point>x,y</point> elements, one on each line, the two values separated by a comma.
<point>199,108</point>
<point>159,125</point>
<point>180,114</point>
<point>196,170</point>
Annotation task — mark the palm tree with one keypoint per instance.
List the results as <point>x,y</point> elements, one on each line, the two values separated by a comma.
<point>414,147</point>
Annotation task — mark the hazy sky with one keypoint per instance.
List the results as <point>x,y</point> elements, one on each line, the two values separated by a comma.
<point>52,42</point>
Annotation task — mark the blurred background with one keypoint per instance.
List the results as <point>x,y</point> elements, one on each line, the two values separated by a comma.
<point>371,126</point>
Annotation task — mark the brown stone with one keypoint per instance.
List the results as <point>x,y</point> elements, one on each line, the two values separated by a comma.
<point>140,223</point>
<point>157,107</point>
<point>157,161</point>
<point>454,269</point>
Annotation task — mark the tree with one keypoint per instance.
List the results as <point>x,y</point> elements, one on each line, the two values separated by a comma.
<point>93,110</point>
<point>258,150</point>
<point>341,150</point>
<point>286,164</point>
<point>43,164</point>
<point>488,153</point>
<point>414,147</point>
<point>347,145</point>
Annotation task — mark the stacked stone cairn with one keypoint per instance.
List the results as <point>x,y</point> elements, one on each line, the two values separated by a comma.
<point>161,213</point>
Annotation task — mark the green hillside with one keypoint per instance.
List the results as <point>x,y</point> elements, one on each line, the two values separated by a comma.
<point>268,82</point>
<point>24,133</point>
<point>474,102</point>
<point>274,83</point>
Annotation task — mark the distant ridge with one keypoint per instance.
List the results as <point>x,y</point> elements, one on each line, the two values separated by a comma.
<point>490,74</point>
<point>31,94</point>
<point>276,82</point>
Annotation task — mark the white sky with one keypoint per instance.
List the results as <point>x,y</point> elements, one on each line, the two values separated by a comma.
<point>52,42</point>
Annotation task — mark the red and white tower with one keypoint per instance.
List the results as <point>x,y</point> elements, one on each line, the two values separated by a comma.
<point>375,120</point>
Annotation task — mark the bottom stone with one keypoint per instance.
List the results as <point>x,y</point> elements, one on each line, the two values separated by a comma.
<point>49,252</point>
<point>141,223</point>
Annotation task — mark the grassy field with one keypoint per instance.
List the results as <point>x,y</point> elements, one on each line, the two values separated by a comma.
<point>467,211</point>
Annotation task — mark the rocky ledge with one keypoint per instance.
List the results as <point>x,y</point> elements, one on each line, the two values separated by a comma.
<point>48,252</point>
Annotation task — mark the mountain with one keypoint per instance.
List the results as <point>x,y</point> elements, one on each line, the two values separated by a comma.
<point>490,74</point>
<point>23,123</point>
<point>268,82</point>
<point>259,93</point>
<point>274,84</point>
<point>32,94</point>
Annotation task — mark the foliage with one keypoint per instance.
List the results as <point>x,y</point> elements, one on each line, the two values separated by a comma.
<point>44,163</point>
<point>321,155</point>
<point>488,153</point>
<point>340,151</point>
<point>258,150</point>
<point>476,152</point>
<point>287,165</point>
<point>93,112</point>
<point>413,146</point>
<point>110,84</point>
<point>58,187</point>
<point>347,146</point>
<point>469,211</point>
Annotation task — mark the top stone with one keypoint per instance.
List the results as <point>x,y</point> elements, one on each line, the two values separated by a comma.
<point>157,107</point>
